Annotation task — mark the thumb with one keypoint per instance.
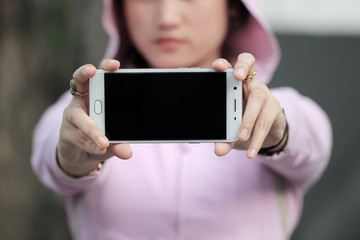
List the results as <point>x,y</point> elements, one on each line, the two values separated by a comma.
<point>121,150</point>
<point>221,149</point>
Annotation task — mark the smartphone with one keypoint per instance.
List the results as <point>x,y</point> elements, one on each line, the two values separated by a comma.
<point>166,105</point>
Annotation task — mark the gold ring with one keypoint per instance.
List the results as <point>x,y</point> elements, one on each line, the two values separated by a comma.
<point>74,91</point>
<point>251,77</point>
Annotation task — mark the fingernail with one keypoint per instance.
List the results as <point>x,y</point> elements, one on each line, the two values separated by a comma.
<point>112,62</point>
<point>86,69</point>
<point>252,153</point>
<point>218,62</point>
<point>241,73</point>
<point>243,133</point>
<point>102,142</point>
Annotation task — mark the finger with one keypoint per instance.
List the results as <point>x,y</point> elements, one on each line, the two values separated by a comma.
<point>261,130</point>
<point>81,77</point>
<point>110,65</point>
<point>81,121</point>
<point>221,64</point>
<point>255,103</point>
<point>221,149</point>
<point>76,138</point>
<point>244,66</point>
<point>121,150</point>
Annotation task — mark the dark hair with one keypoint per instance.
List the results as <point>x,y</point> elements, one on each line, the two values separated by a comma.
<point>129,56</point>
<point>240,15</point>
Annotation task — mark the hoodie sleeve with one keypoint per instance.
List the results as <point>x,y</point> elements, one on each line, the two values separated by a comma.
<point>309,144</point>
<point>43,159</point>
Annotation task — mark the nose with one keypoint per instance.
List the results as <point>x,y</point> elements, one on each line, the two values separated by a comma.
<point>168,14</point>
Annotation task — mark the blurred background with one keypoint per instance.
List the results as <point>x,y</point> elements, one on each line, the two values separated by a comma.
<point>43,42</point>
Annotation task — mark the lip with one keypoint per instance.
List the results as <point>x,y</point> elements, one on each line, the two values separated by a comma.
<point>169,43</point>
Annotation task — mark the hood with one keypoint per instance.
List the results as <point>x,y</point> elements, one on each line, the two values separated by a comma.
<point>255,38</point>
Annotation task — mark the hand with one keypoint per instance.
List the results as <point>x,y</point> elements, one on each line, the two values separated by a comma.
<point>263,123</point>
<point>81,144</point>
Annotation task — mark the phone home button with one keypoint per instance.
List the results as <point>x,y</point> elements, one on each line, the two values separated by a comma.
<point>98,107</point>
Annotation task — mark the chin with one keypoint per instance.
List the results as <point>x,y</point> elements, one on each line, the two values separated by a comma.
<point>172,65</point>
<point>171,62</point>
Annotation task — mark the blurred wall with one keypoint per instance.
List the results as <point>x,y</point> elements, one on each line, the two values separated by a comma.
<point>313,16</point>
<point>43,42</point>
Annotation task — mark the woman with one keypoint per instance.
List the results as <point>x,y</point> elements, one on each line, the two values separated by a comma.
<point>181,191</point>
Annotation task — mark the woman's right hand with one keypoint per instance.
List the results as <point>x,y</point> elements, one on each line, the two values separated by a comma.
<point>81,144</point>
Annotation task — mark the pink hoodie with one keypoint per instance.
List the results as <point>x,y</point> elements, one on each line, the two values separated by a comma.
<point>182,191</point>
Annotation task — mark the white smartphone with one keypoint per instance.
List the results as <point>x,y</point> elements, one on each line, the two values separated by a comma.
<point>166,105</point>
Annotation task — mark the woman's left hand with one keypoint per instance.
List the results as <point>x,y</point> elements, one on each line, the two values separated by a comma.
<point>263,123</point>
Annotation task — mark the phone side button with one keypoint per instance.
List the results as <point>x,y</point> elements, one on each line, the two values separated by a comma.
<point>98,107</point>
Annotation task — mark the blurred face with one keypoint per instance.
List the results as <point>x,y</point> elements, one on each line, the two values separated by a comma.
<point>177,33</point>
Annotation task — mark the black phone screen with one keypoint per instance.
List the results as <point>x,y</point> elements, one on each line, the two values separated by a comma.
<point>165,106</point>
